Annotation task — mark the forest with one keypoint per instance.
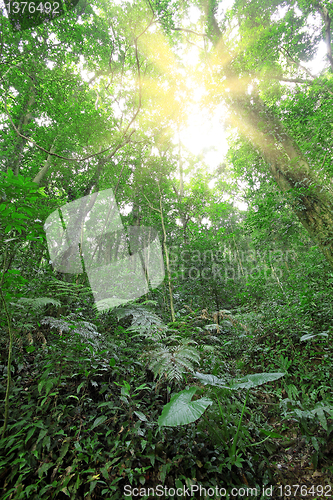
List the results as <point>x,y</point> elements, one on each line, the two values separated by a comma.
<point>166,249</point>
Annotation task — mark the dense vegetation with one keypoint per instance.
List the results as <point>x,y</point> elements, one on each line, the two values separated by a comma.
<point>217,382</point>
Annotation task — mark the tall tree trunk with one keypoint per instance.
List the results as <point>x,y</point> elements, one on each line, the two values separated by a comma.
<point>23,121</point>
<point>327,23</point>
<point>311,201</point>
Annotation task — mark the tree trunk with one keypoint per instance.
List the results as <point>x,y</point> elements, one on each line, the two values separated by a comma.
<point>24,120</point>
<point>327,23</point>
<point>311,201</point>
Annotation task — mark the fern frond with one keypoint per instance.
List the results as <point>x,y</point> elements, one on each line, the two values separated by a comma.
<point>211,328</point>
<point>155,334</point>
<point>64,288</point>
<point>143,320</point>
<point>173,361</point>
<point>36,303</point>
<point>86,330</point>
<point>149,303</point>
<point>188,354</point>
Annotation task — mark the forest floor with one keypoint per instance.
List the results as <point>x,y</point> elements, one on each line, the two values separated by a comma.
<point>84,412</point>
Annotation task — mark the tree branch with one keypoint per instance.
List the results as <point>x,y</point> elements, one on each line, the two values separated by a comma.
<point>298,64</point>
<point>327,22</point>
<point>42,173</point>
<point>150,206</point>
<point>291,80</point>
<point>189,31</point>
<point>55,154</point>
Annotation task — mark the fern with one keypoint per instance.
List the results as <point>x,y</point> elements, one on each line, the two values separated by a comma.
<point>143,321</point>
<point>173,361</point>
<point>172,358</point>
<point>28,311</point>
<point>37,303</point>
<point>212,328</point>
<point>84,329</point>
<point>64,288</point>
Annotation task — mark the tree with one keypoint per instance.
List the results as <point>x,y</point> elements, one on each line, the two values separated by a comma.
<point>260,53</point>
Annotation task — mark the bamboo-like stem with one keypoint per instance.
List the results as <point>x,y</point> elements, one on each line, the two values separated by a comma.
<point>165,248</point>
<point>234,444</point>
<point>9,360</point>
<point>239,260</point>
<point>173,317</point>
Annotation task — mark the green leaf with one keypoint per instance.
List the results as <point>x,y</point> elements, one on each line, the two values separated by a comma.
<point>109,404</point>
<point>92,486</point>
<point>315,443</point>
<point>41,385</point>
<point>17,215</point>
<point>42,433</point>
<point>44,468</point>
<point>48,385</point>
<point>30,434</point>
<point>207,378</point>
<point>63,451</point>
<point>250,381</point>
<point>309,336</point>
<point>72,396</point>
<point>98,421</point>
<point>80,386</point>
<point>178,484</point>
<point>238,462</point>
<point>321,417</point>
<point>247,382</point>
<point>143,444</point>
<point>271,434</point>
<point>181,410</point>
<point>141,416</point>
<point>47,442</point>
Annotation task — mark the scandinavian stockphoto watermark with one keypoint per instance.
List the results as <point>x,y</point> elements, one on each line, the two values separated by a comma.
<point>88,235</point>
<point>227,263</point>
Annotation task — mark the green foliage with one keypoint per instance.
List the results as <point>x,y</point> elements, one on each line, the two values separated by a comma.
<point>37,303</point>
<point>142,321</point>
<point>247,382</point>
<point>173,359</point>
<point>18,205</point>
<point>181,410</point>
<point>76,326</point>
<point>91,402</point>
